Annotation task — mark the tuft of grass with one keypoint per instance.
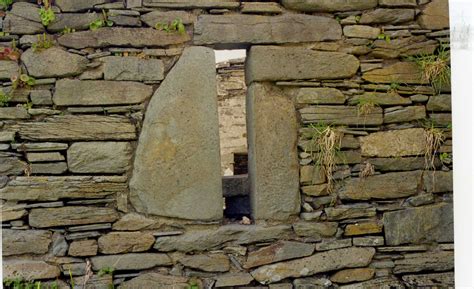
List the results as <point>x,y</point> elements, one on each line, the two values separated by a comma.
<point>435,67</point>
<point>326,141</point>
<point>434,139</point>
<point>43,42</point>
<point>365,106</point>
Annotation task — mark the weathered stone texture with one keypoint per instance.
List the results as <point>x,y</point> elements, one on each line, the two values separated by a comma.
<point>99,157</point>
<point>430,280</point>
<point>133,222</point>
<point>390,16</point>
<point>69,216</point>
<point>361,31</point>
<point>207,239</point>
<point>386,186</point>
<point>271,63</point>
<point>18,25</point>
<point>341,115</point>
<point>207,262</point>
<point>133,37</point>
<point>317,263</point>
<point>156,281</point>
<point>381,98</point>
<point>223,4</point>
<point>178,144</point>
<point>133,68</point>
<point>353,275</point>
<point>315,229</point>
<point>319,95</point>
<point>397,143</point>
<point>405,114</point>
<point>435,15</point>
<point>426,261</point>
<point>53,62</point>
<point>228,30</point>
<point>76,21</point>
<point>29,270</point>
<point>83,248</point>
<point>18,242</point>
<point>97,92</point>
<point>438,181</point>
<point>420,225</point>
<point>74,5</point>
<point>14,112</point>
<point>280,251</point>
<point>12,166</point>
<point>54,188</point>
<point>154,17</point>
<point>400,72</point>
<point>132,261</point>
<point>233,279</point>
<point>440,102</point>
<point>398,3</point>
<point>8,69</point>
<point>79,127</point>
<point>273,160</point>
<point>124,242</point>
<point>329,5</point>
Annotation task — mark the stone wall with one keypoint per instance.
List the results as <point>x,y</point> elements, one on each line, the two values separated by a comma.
<point>109,145</point>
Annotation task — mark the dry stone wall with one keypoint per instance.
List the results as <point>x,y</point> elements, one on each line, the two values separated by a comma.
<point>109,145</point>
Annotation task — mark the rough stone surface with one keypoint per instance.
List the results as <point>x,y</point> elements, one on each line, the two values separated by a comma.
<point>132,37</point>
<point>156,281</point>
<point>361,31</point>
<point>79,127</point>
<point>389,16</point>
<point>177,144</point>
<point>405,114</point>
<point>154,17</point>
<point>207,239</point>
<point>73,5</point>
<point>99,157</point>
<point>25,10</point>
<point>8,69</point>
<point>60,245</point>
<point>76,21</point>
<point>420,225</point>
<point>438,181</point>
<point>188,4</point>
<point>13,215</point>
<point>273,160</point>
<point>133,68</point>
<point>332,244</point>
<point>207,262</point>
<point>44,157</point>
<point>349,212</point>
<point>289,63</point>
<point>280,251</point>
<point>70,215</point>
<point>12,166</point>
<point>125,242</point>
<point>29,270</point>
<point>18,242</point>
<point>14,112</point>
<point>341,115</point>
<point>440,102</point>
<point>435,15</point>
<point>381,98</point>
<point>132,261</point>
<point>97,92</point>
<point>233,279</point>
<point>133,222</point>
<point>353,275</point>
<point>316,229</point>
<point>400,72</point>
<point>398,3</point>
<point>317,263</point>
<point>386,186</point>
<point>363,228</point>
<point>426,261</point>
<point>53,62</point>
<point>319,95</point>
<point>55,168</point>
<point>398,164</point>
<point>381,282</point>
<point>54,188</point>
<point>19,25</point>
<point>232,30</point>
<point>430,280</point>
<point>397,143</point>
<point>328,5</point>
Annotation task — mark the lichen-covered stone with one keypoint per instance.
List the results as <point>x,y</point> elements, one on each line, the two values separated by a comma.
<point>435,15</point>
<point>381,98</point>
<point>18,242</point>
<point>271,63</point>
<point>233,279</point>
<point>400,72</point>
<point>426,261</point>
<point>70,215</point>
<point>154,17</point>
<point>99,157</point>
<point>398,164</point>
<point>329,5</point>
<point>228,30</point>
<point>349,212</point>
<point>439,102</point>
<point>53,62</point>
<point>12,166</point>
<point>124,242</point>
<point>389,16</point>
<point>438,181</point>
<point>317,263</point>
<point>397,143</point>
<point>386,186</point>
<point>363,228</point>
<point>315,229</point>
<point>341,115</point>
<point>29,270</point>
<point>156,281</point>
<point>79,127</point>
<point>54,168</point>
<point>405,114</point>
<point>98,92</point>
<point>207,262</point>
<point>54,188</point>
<point>8,69</point>
<point>445,279</point>
<point>319,95</point>
<point>132,261</point>
<point>133,68</point>
<point>272,135</point>
<point>381,282</point>
<point>181,134</point>
<point>353,275</point>
<point>420,225</point>
<point>82,248</point>
<point>361,31</point>
<point>117,36</point>
<point>398,3</point>
<point>133,222</point>
<point>14,112</point>
<point>280,251</point>
<point>189,4</point>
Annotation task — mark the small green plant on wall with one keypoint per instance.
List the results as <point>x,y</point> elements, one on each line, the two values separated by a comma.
<point>383,36</point>
<point>174,26</point>
<point>43,42</point>
<point>46,13</point>
<point>325,146</point>
<point>4,98</point>
<point>435,67</point>
<point>4,4</point>
<point>365,106</point>
<point>23,81</point>
<point>101,22</point>
<point>20,283</point>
